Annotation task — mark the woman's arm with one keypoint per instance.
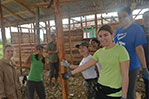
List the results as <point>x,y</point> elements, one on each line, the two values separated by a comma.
<point>73,66</point>
<point>125,77</point>
<point>85,66</point>
<point>27,61</point>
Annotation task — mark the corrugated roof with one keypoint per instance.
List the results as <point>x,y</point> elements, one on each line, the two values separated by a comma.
<point>21,13</point>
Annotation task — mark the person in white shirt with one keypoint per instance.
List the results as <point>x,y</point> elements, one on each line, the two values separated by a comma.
<point>90,74</point>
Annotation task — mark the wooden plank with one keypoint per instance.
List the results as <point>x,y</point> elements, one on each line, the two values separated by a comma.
<point>6,1</point>
<point>37,25</point>
<point>20,56</point>
<point>27,3</point>
<point>20,12</point>
<point>49,31</point>
<point>17,16</point>
<point>96,25</point>
<point>25,7</point>
<point>69,38</point>
<point>86,27</point>
<point>60,46</point>
<point>2,27</point>
<point>138,13</point>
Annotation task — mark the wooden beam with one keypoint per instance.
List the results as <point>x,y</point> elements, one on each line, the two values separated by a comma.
<point>19,41</point>
<point>27,3</point>
<point>69,38</point>
<point>37,26</point>
<point>86,27</point>
<point>25,7</point>
<point>101,4</point>
<point>17,16</point>
<point>96,24</point>
<point>60,46</point>
<point>138,13</point>
<point>19,13</point>
<point>2,27</point>
<point>49,30</point>
<point>6,1</point>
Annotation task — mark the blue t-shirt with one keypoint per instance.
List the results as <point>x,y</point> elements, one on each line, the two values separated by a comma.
<point>130,38</point>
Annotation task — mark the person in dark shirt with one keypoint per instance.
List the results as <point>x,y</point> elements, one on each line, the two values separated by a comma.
<point>145,27</point>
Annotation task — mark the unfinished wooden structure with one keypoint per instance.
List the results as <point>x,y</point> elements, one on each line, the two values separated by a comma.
<point>17,12</point>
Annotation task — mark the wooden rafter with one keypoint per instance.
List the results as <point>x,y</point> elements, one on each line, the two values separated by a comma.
<point>101,4</point>
<point>6,1</point>
<point>25,7</point>
<point>8,21</point>
<point>18,13</point>
<point>28,3</point>
<point>17,16</point>
<point>138,13</point>
<point>44,0</point>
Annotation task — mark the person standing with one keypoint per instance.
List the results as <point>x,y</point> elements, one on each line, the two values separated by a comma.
<point>10,87</point>
<point>90,74</point>
<point>145,27</point>
<point>132,37</point>
<point>53,59</point>
<point>34,80</point>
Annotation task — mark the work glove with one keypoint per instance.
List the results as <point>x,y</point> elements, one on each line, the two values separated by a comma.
<point>66,75</point>
<point>145,73</point>
<point>65,63</point>
<point>85,84</point>
<point>123,98</point>
<point>4,98</point>
<point>24,79</point>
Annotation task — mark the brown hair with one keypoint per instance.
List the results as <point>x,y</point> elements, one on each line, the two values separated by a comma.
<point>106,28</point>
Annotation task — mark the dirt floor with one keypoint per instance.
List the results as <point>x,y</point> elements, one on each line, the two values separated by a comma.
<point>76,89</point>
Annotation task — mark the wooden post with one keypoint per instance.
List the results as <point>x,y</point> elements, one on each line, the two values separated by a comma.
<point>101,20</point>
<point>86,27</point>
<point>96,24</point>
<point>49,29</point>
<point>92,31</point>
<point>60,46</point>
<point>47,32</point>
<point>81,23</point>
<point>30,38</point>
<point>10,33</point>
<point>2,27</point>
<point>20,56</point>
<point>34,36</point>
<point>37,26</point>
<point>69,38</point>
<point>73,24</point>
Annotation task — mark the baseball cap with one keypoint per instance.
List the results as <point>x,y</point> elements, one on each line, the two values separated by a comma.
<point>82,44</point>
<point>38,47</point>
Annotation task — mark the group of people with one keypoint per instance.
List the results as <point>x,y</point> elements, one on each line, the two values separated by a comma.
<point>118,59</point>
<point>121,56</point>
<point>10,86</point>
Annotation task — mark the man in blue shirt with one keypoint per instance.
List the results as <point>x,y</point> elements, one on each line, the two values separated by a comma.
<point>132,37</point>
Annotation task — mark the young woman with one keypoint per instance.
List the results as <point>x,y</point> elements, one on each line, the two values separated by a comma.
<point>35,82</point>
<point>90,74</point>
<point>10,87</point>
<point>114,61</point>
<point>132,37</point>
